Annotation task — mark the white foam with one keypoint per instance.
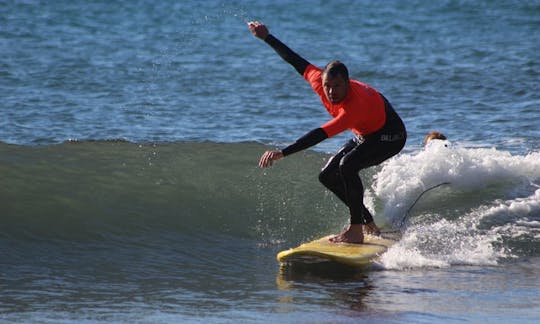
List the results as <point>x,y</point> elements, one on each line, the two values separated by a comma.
<point>404,178</point>
<point>522,211</point>
<point>478,234</point>
<point>443,244</point>
<point>518,206</point>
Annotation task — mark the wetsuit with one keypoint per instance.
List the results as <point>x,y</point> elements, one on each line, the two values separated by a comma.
<point>379,133</point>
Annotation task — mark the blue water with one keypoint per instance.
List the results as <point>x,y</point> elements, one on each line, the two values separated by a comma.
<point>179,71</point>
<point>131,130</point>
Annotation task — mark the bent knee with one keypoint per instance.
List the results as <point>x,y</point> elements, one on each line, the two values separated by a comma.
<point>349,169</point>
<point>324,177</point>
<point>329,177</point>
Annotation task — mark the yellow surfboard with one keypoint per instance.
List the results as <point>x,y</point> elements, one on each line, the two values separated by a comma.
<point>346,253</point>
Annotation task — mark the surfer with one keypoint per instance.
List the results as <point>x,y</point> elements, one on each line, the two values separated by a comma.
<point>379,132</point>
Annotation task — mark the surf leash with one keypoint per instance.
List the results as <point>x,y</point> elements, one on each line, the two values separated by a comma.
<point>414,203</point>
<point>411,207</point>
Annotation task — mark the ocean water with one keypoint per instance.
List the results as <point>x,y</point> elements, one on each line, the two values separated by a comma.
<point>130,136</point>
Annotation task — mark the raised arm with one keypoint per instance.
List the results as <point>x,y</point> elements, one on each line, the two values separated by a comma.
<point>258,29</point>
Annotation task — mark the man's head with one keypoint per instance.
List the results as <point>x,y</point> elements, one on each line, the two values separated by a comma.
<point>335,79</point>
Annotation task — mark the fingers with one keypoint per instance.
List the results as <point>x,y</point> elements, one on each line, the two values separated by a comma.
<point>254,24</point>
<point>258,29</point>
<point>268,158</point>
<point>263,162</point>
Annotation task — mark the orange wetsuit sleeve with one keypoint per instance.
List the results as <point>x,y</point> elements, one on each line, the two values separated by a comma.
<point>337,125</point>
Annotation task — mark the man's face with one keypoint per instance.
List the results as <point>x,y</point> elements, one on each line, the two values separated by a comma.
<point>335,88</point>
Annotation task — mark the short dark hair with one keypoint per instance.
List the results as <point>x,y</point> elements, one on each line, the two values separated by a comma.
<point>336,68</point>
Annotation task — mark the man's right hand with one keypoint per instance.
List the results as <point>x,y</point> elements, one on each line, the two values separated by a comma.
<point>268,158</point>
<point>258,29</point>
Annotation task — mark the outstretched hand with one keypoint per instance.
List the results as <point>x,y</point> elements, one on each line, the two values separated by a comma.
<point>268,158</point>
<point>258,29</point>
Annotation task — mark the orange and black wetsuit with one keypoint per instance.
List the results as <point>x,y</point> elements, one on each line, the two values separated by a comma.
<point>379,133</point>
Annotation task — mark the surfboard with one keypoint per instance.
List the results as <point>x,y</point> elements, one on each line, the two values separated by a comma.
<point>322,250</point>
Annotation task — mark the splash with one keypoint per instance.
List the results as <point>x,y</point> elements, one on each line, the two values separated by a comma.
<point>490,212</point>
<point>406,177</point>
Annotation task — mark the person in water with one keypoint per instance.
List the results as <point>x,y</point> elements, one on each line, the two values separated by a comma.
<point>434,135</point>
<point>379,132</point>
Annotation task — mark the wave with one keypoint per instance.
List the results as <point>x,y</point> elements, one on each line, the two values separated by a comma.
<point>487,210</point>
<point>84,190</point>
<point>96,190</point>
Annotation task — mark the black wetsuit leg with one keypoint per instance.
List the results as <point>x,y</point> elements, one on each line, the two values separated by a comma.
<point>340,175</point>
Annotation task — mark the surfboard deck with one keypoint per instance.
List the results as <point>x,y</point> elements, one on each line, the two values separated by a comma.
<point>322,250</point>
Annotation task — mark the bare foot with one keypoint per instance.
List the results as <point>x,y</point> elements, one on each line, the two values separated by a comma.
<point>372,229</point>
<point>353,234</point>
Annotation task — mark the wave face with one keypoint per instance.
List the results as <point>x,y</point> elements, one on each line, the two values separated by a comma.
<point>87,190</point>
<point>117,191</point>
